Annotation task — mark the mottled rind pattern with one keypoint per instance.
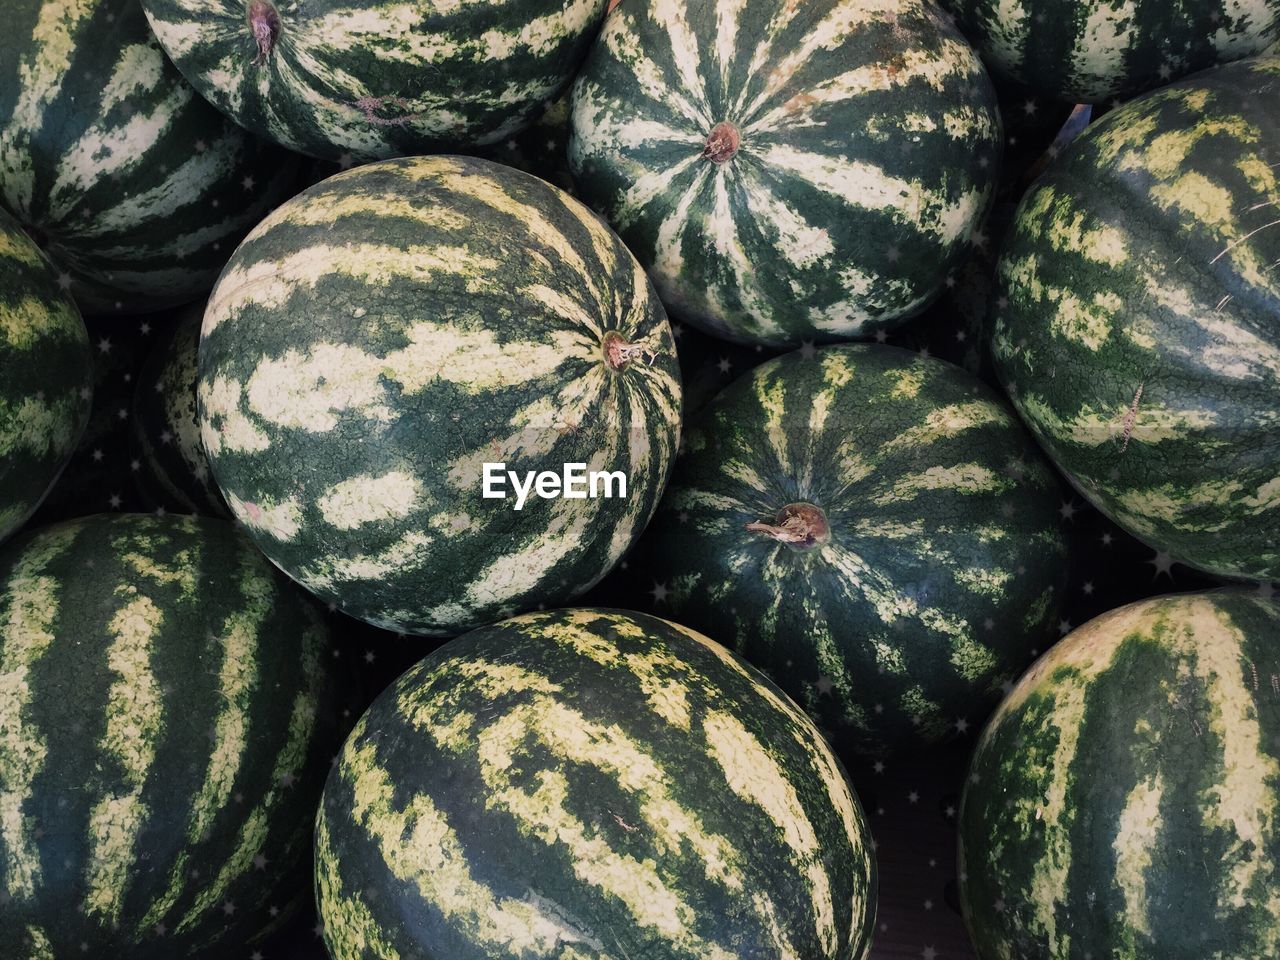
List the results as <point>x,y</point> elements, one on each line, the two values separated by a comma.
<point>165,430</point>
<point>139,189</point>
<point>1125,799</point>
<point>868,147</point>
<point>945,562</point>
<point>590,785</point>
<point>46,376</point>
<point>379,338</point>
<point>163,696</point>
<point>1136,323</point>
<point>1094,51</point>
<point>369,79</point>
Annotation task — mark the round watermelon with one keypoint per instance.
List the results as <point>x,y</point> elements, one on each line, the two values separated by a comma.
<point>1125,799</point>
<point>135,187</point>
<point>173,471</point>
<point>368,79</point>
<point>875,531</point>
<point>1093,51</point>
<point>382,337</point>
<point>590,784</point>
<point>163,740</point>
<point>850,146</point>
<point>46,376</point>
<point>1135,325</point>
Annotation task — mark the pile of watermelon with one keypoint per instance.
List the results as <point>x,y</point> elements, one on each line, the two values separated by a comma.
<point>686,404</point>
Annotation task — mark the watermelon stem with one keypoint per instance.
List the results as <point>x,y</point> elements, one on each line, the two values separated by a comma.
<point>799,525</point>
<point>723,143</point>
<point>619,352</point>
<point>265,23</point>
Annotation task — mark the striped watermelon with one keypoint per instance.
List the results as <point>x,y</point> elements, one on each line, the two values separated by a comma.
<point>1137,322</point>
<point>1125,800</point>
<point>368,79</point>
<point>379,338</point>
<point>165,431</point>
<point>135,187</point>
<point>875,531</point>
<point>46,376</point>
<point>162,740</point>
<point>1091,51</point>
<point>590,784</point>
<point>851,145</point>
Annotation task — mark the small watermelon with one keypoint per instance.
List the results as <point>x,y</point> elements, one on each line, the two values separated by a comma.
<point>851,146</point>
<point>164,742</point>
<point>1125,800</point>
<point>1136,318</point>
<point>368,79</point>
<point>381,337</point>
<point>136,188</point>
<point>590,784</point>
<point>173,471</point>
<point>1093,51</point>
<point>875,531</point>
<point>46,376</point>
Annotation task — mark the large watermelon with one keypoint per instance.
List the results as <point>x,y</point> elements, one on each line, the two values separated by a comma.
<point>1125,800</point>
<point>849,145</point>
<point>161,699</point>
<point>385,334</point>
<point>590,785</point>
<point>1092,51</point>
<point>172,469</point>
<point>875,531</point>
<point>1136,327</point>
<point>135,187</point>
<point>46,376</point>
<point>367,79</point>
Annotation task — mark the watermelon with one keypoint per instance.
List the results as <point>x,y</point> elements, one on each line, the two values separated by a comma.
<point>173,471</point>
<point>369,79</point>
<point>1125,799</point>
<point>1093,51</point>
<point>1136,319</point>
<point>592,784</point>
<point>850,145</point>
<point>380,338</point>
<point>163,691</point>
<point>875,531</point>
<point>46,376</point>
<point>135,187</point>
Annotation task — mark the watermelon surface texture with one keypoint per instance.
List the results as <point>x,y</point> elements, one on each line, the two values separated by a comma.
<point>136,188</point>
<point>590,784</point>
<point>173,471</point>
<point>369,79</point>
<point>874,530</point>
<point>385,334</point>
<point>1136,325</point>
<point>46,376</point>
<point>163,737</point>
<point>1125,799</point>
<point>851,146</point>
<point>1094,51</point>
